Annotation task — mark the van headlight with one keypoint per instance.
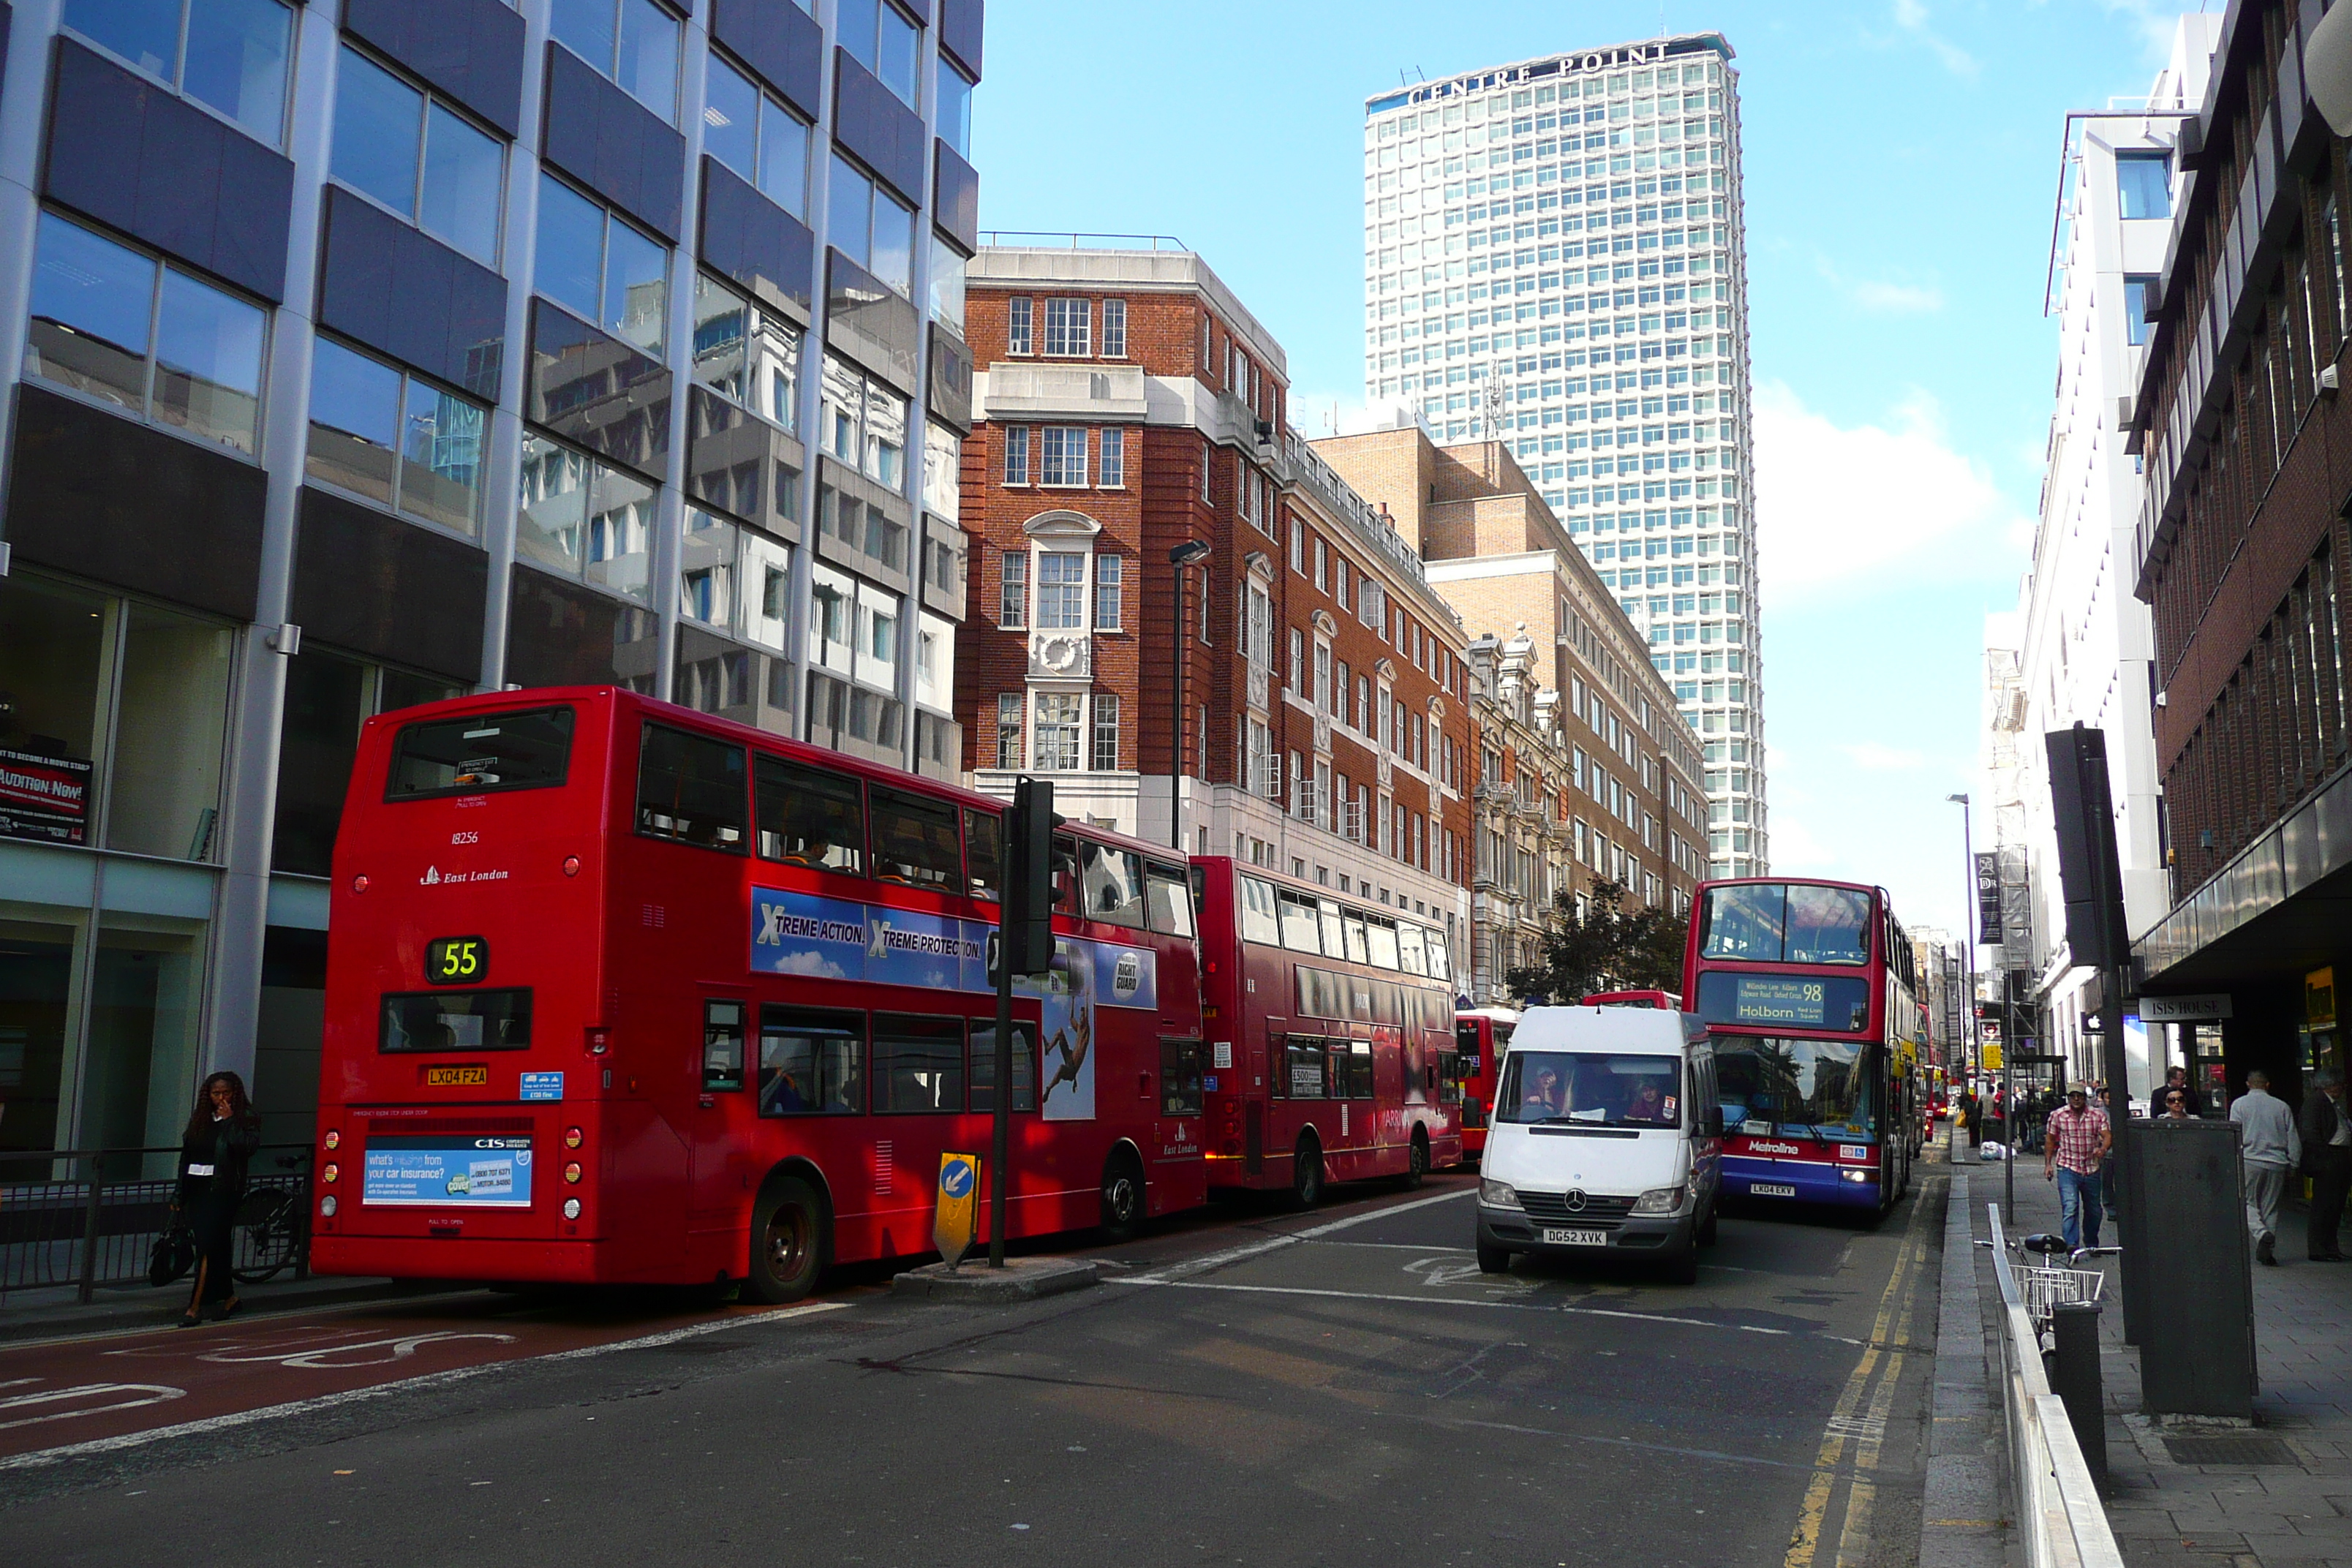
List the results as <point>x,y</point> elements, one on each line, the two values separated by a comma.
<point>1497,1194</point>
<point>1662,1200</point>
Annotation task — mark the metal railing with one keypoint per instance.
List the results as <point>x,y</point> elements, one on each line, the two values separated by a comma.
<point>2061,1522</point>
<point>87,1218</point>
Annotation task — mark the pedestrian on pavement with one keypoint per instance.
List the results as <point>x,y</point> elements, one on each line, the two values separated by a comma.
<point>2174,1103</point>
<point>2326,1128</point>
<point>2176,1080</point>
<point>1970,1116</point>
<point>223,1132</point>
<point>2271,1147</point>
<point>2076,1140</point>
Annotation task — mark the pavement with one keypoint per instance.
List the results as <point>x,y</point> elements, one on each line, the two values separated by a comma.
<point>2293,1512</point>
<point>1241,1386</point>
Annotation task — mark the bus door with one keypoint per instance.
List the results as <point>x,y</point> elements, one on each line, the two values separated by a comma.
<point>1180,1134</point>
<point>721,1157</point>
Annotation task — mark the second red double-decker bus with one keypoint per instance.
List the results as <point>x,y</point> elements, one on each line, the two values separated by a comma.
<point>622,993</point>
<point>1806,988</point>
<point>1327,1024</point>
<point>1665,1001</point>
<point>1481,1036</point>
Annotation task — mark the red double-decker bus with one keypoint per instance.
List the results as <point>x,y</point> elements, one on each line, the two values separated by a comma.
<point>1481,1035</point>
<point>1806,988</point>
<point>619,991</point>
<point>1328,1028</point>
<point>1665,1000</point>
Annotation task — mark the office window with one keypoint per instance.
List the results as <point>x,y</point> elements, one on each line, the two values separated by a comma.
<point>227,54</point>
<point>1016,454</point>
<point>948,270</point>
<point>955,110</point>
<point>2144,184</point>
<point>871,226</point>
<point>1009,705</point>
<point>113,324</point>
<point>417,156</point>
<point>1017,326</point>
<point>2140,292</point>
<point>1105,747</point>
<point>396,440</point>
<point>583,519</point>
<point>1013,592</point>
<point>601,268</point>
<point>1069,326</point>
<point>862,423</point>
<point>885,42</point>
<point>748,355</point>
<point>1110,597</point>
<point>635,42</point>
<point>1063,457</point>
<point>1114,329</point>
<point>1113,472</point>
<point>1057,732</point>
<point>1061,591</point>
<point>755,135</point>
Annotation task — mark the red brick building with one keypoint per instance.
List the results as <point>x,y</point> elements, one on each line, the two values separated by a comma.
<point>1312,707</point>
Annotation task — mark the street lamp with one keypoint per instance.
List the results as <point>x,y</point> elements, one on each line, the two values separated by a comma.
<point>1190,553</point>
<point>1975,1028</point>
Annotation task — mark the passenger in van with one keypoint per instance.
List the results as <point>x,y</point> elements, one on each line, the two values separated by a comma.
<point>1648,1102</point>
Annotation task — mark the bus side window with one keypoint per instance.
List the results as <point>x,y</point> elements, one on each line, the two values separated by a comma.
<point>915,839</point>
<point>983,852</point>
<point>1170,897</point>
<point>1301,1073</point>
<point>1065,874</point>
<point>983,1064</point>
<point>1259,922</point>
<point>809,817</point>
<point>1180,1077</point>
<point>722,1047</point>
<point>917,1063</point>
<point>690,789</point>
<point>1352,1074</point>
<point>812,1063</point>
<point>1449,1079</point>
<point>1112,884</point>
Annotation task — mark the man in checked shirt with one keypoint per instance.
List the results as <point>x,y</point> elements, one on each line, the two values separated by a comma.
<point>2077,1140</point>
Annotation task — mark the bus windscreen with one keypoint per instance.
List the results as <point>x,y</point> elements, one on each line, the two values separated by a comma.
<point>530,749</point>
<point>1781,923</point>
<point>1782,1088</point>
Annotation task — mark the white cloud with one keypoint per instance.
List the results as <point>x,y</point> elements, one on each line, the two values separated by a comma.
<point>1896,298</point>
<point>1873,756</point>
<point>1836,506</point>
<point>1911,16</point>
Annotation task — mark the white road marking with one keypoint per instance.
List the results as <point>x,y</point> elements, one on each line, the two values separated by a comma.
<point>319,1358</point>
<point>377,1390</point>
<point>151,1393</point>
<point>1460,1301</point>
<point>1203,1265</point>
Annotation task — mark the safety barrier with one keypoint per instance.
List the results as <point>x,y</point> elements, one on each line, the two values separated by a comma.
<point>87,1218</point>
<point>2060,1521</point>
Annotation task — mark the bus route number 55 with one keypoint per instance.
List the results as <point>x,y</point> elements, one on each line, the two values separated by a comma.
<point>456,961</point>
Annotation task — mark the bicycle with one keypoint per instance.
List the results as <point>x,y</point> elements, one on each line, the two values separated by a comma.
<point>268,1233</point>
<point>2047,1287</point>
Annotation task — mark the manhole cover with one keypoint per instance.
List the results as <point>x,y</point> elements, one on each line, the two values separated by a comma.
<point>2229,1451</point>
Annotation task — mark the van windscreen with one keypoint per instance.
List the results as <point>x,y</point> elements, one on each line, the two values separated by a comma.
<point>529,749</point>
<point>1598,1089</point>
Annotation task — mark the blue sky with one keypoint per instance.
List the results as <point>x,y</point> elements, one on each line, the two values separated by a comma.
<point>1901,163</point>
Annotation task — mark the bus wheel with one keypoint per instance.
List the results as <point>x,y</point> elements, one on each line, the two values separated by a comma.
<point>788,1241</point>
<point>1122,1197</point>
<point>1306,1174</point>
<point>1416,1159</point>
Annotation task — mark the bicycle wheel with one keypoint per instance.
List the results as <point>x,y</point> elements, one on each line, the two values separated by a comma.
<point>265,1235</point>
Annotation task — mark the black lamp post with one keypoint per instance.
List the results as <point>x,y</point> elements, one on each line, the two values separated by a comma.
<point>1182,557</point>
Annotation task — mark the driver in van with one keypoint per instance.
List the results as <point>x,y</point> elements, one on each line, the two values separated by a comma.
<point>1542,1098</point>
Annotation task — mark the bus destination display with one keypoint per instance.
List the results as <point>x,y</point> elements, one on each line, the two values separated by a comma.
<point>1767,999</point>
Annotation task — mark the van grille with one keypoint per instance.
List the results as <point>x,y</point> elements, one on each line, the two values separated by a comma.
<point>1553,1208</point>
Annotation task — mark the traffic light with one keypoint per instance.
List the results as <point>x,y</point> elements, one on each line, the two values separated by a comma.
<point>1029,825</point>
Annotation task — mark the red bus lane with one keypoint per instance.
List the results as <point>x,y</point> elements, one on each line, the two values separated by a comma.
<point>67,1393</point>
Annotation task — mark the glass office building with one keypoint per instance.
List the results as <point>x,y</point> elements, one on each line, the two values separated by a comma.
<point>359,355</point>
<point>1555,257</point>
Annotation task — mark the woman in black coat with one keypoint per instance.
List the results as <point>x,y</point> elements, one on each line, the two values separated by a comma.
<point>223,1132</point>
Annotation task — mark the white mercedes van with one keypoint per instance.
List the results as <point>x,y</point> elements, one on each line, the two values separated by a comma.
<point>1605,1140</point>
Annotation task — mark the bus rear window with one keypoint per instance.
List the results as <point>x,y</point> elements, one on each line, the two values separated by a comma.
<point>455,1021</point>
<point>480,752</point>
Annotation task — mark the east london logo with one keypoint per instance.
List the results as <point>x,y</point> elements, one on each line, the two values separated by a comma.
<point>435,877</point>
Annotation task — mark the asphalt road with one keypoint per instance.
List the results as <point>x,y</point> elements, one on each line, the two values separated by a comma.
<point>1246,1387</point>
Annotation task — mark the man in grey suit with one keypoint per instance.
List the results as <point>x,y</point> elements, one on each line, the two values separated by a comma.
<point>2271,1147</point>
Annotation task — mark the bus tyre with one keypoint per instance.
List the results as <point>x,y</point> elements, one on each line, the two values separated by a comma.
<point>788,1241</point>
<point>1493,1259</point>
<point>1416,1159</point>
<point>1122,1196</point>
<point>1306,1174</point>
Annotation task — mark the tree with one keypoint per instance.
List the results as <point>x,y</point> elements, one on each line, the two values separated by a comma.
<point>1602,946</point>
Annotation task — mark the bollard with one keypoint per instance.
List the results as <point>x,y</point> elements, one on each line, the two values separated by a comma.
<point>2074,1378</point>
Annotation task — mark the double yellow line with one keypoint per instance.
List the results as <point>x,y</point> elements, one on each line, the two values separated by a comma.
<point>1882,1359</point>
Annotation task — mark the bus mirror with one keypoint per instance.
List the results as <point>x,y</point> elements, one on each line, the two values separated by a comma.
<point>1028,905</point>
